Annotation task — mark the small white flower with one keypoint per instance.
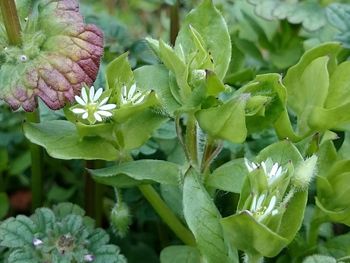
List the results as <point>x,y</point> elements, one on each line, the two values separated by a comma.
<point>258,208</point>
<point>133,95</point>
<point>37,242</point>
<point>273,171</point>
<point>89,258</point>
<point>91,108</point>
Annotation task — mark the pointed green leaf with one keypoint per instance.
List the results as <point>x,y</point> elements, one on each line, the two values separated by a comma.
<point>203,219</point>
<point>142,170</point>
<point>211,26</point>
<point>61,140</point>
<point>175,254</point>
<point>226,121</point>
<point>228,177</point>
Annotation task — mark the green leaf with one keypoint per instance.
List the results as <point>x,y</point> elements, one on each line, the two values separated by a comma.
<point>211,26</point>
<point>319,258</point>
<point>156,77</point>
<point>175,254</point>
<point>64,209</point>
<point>119,73</point>
<point>281,152</point>
<point>136,130</point>
<point>308,13</point>
<point>246,234</point>
<point>17,232</point>
<point>307,82</point>
<point>226,121</point>
<point>61,140</point>
<point>228,177</point>
<point>22,255</point>
<point>4,204</point>
<point>272,94</point>
<point>338,16</point>
<point>44,219</point>
<point>203,219</point>
<point>144,171</point>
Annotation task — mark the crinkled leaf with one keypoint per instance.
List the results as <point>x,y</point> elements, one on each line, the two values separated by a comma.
<point>59,54</point>
<point>338,16</point>
<point>63,209</point>
<point>22,255</point>
<point>175,254</point>
<point>61,140</point>
<point>211,26</point>
<point>108,253</point>
<point>309,13</point>
<point>228,177</point>
<point>17,232</point>
<point>203,219</point>
<point>44,219</point>
<point>142,170</point>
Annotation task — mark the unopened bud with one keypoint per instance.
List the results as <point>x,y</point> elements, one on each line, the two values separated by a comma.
<point>304,173</point>
<point>120,218</point>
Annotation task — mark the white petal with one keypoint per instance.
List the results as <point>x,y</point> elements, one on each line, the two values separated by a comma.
<point>105,113</point>
<point>271,205</point>
<point>247,164</point>
<point>131,91</point>
<point>107,107</point>
<point>84,95</point>
<point>274,212</point>
<point>80,100</point>
<point>253,205</point>
<point>97,116</point>
<point>274,169</point>
<point>78,111</point>
<point>139,100</point>
<point>98,94</point>
<point>85,115</point>
<point>263,165</point>
<point>124,92</point>
<point>260,201</point>
<point>92,94</point>
<point>103,101</point>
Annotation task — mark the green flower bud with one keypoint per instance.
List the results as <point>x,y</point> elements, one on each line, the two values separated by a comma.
<point>120,219</point>
<point>304,173</point>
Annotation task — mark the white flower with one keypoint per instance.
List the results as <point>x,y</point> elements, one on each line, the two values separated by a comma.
<point>133,95</point>
<point>89,258</point>
<point>273,171</point>
<point>93,109</point>
<point>258,208</point>
<point>37,242</point>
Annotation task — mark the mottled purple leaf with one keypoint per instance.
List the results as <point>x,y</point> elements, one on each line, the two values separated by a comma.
<point>59,53</point>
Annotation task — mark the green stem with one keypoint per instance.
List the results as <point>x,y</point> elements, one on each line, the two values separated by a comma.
<point>174,22</point>
<point>11,21</point>
<point>191,140</point>
<point>93,195</point>
<point>37,165</point>
<point>167,215</point>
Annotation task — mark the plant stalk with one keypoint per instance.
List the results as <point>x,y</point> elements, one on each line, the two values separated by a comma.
<point>11,21</point>
<point>167,215</point>
<point>191,140</point>
<point>174,22</point>
<point>37,165</point>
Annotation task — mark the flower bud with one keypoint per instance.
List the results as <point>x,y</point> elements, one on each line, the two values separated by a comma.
<point>304,173</point>
<point>120,218</point>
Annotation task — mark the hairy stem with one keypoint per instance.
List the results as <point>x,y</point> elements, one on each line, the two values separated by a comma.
<point>191,140</point>
<point>37,165</point>
<point>167,215</point>
<point>11,21</point>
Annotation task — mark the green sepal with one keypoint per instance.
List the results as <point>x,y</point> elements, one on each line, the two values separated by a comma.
<point>226,121</point>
